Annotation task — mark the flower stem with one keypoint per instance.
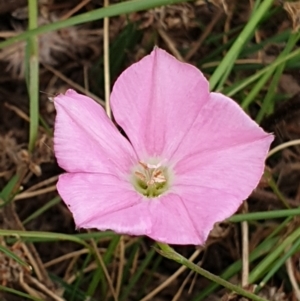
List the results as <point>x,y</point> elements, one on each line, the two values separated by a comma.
<point>170,253</point>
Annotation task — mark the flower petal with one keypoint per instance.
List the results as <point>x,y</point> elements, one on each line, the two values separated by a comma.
<point>172,223</point>
<point>221,124</point>
<point>85,139</point>
<point>104,202</point>
<point>224,151</point>
<point>205,207</point>
<point>156,100</point>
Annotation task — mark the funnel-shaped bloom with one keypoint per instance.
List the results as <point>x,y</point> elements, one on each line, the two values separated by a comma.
<point>190,159</point>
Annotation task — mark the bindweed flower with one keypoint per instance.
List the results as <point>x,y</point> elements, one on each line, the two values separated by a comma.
<point>190,159</point>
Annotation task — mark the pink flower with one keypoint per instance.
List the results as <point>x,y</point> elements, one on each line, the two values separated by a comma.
<point>190,159</point>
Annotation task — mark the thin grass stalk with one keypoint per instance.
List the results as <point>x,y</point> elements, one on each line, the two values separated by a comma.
<point>79,277</point>
<point>134,279</point>
<point>33,74</point>
<point>98,279</point>
<point>106,62</point>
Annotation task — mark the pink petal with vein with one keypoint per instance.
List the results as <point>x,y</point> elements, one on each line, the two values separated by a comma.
<point>85,139</point>
<point>156,101</point>
<point>220,125</point>
<point>224,151</point>
<point>104,202</point>
<point>108,203</point>
<point>172,222</point>
<point>205,207</point>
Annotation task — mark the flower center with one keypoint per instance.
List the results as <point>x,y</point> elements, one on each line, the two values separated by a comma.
<point>151,180</point>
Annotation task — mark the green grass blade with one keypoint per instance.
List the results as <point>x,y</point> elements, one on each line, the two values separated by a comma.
<point>246,82</point>
<point>276,266</point>
<point>99,277</point>
<point>13,256</point>
<point>33,74</point>
<point>268,103</point>
<point>149,278</point>
<point>137,275</point>
<point>80,277</point>
<point>42,209</point>
<point>17,293</point>
<point>7,192</point>
<point>264,215</point>
<point>265,247</point>
<point>262,82</point>
<point>69,290</point>
<point>129,262</point>
<point>97,14</point>
<point>222,71</point>
<point>41,234</point>
<point>48,238</point>
<point>263,266</point>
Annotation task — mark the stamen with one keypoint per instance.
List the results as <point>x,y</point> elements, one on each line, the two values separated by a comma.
<point>143,165</point>
<point>160,179</point>
<point>140,176</point>
<point>151,180</point>
<point>152,175</point>
<point>157,173</point>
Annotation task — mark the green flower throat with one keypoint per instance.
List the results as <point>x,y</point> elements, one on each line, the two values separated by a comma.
<point>151,180</point>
